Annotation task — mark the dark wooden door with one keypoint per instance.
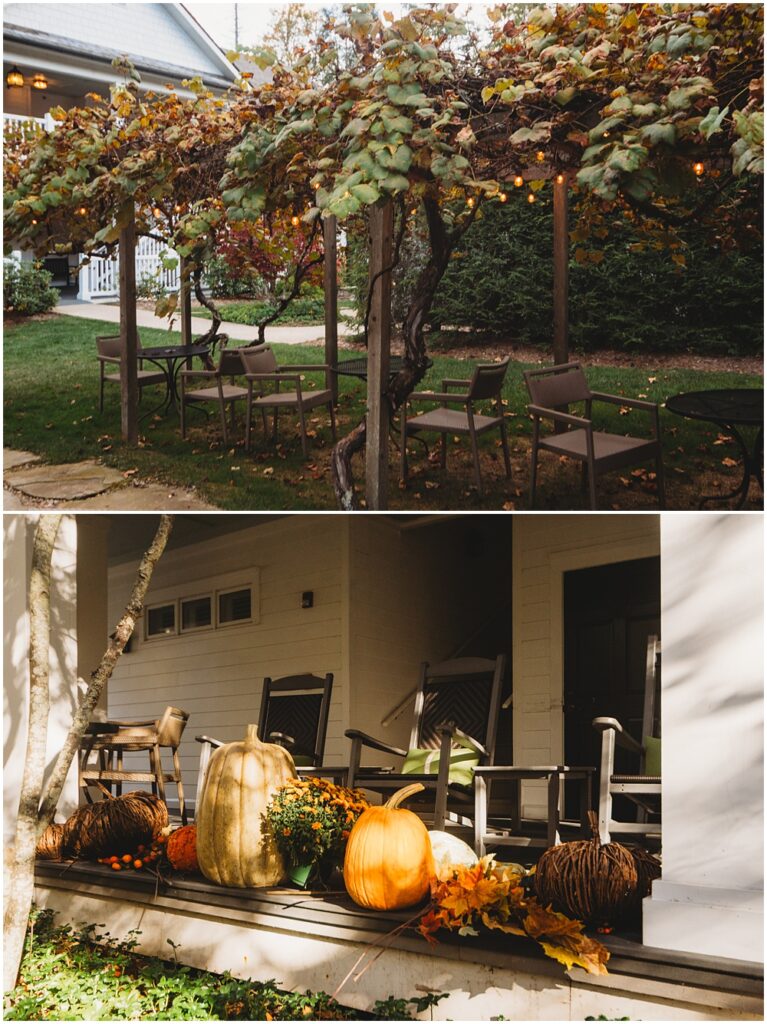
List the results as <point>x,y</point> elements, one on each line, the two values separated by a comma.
<point>609,611</point>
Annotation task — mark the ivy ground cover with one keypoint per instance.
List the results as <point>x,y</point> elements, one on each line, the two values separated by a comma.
<point>51,408</point>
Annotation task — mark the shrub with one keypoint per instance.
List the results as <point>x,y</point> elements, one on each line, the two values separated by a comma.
<point>27,288</point>
<point>151,286</point>
<point>224,282</point>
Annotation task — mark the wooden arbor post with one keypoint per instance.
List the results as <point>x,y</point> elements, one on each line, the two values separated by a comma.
<point>379,345</point>
<point>330,283</point>
<point>185,301</point>
<point>561,272</point>
<point>128,330</point>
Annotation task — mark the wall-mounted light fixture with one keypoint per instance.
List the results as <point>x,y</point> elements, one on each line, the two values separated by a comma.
<point>39,81</point>
<point>307,599</point>
<point>14,79</point>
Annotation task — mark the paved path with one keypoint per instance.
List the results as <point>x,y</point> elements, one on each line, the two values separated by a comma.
<point>30,483</point>
<point>299,335</point>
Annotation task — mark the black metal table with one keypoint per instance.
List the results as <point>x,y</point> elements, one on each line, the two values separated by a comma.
<point>169,359</point>
<point>730,409</point>
<point>358,367</point>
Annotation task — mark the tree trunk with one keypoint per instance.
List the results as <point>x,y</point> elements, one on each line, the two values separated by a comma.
<point>209,304</point>
<point>416,359</point>
<point>37,805</point>
<point>21,872</point>
<point>302,269</point>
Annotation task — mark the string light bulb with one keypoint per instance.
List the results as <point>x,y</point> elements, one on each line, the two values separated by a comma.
<point>414,211</point>
<point>502,197</point>
<point>82,211</point>
<point>178,208</point>
<point>540,156</point>
<point>295,221</point>
<point>470,202</point>
<point>531,197</point>
<point>34,221</point>
<point>560,179</point>
<point>519,181</point>
<point>699,169</point>
<point>156,212</point>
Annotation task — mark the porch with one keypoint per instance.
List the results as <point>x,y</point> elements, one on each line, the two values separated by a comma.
<point>310,941</point>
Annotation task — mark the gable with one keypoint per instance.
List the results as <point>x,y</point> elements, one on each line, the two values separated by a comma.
<point>161,35</point>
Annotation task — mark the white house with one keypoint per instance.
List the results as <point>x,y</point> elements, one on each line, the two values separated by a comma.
<point>55,54</point>
<point>570,597</point>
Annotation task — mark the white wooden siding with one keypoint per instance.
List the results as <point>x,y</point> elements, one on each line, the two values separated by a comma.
<point>217,674</point>
<point>142,29</point>
<point>545,547</point>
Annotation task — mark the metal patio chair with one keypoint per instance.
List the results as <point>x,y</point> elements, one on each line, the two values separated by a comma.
<point>108,349</point>
<point>220,391</point>
<point>485,383</point>
<point>552,391</point>
<point>644,787</point>
<point>454,727</point>
<point>294,713</point>
<point>149,736</point>
<point>261,368</point>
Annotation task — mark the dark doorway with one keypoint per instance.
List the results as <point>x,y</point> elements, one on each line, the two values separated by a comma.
<point>610,610</point>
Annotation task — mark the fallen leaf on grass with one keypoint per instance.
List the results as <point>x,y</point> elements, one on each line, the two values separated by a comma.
<point>130,472</point>
<point>269,471</point>
<point>729,462</point>
<point>509,506</point>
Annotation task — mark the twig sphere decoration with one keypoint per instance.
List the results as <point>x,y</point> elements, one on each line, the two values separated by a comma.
<point>50,845</point>
<point>596,883</point>
<point>117,823</point>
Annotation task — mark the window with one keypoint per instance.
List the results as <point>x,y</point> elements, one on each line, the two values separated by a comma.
<point>234,606</point>
<point>196,613</point>
<point>161,620</point>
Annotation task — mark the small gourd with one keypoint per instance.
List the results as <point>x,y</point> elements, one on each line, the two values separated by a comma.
<point>450,852</point>
<point>234,844</point>
<point>389,863</point>
<point>181,848</point>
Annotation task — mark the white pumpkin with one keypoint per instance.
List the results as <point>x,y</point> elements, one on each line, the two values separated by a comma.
<point>450,852</point>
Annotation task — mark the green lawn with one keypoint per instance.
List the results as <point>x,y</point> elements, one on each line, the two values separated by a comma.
<point>51,408</point>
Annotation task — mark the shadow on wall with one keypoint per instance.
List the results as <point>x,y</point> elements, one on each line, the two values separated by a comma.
<point>713,693</point>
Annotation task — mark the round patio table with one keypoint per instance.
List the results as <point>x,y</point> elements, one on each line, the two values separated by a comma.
<point>730,409</point>
<point>169,359</point>
<point>358,367</point>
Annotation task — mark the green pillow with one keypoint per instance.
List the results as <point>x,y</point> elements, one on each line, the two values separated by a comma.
<point>651,755</point>
<point>463,761</point>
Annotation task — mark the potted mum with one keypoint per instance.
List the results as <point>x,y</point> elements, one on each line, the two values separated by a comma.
<point>311,819</point>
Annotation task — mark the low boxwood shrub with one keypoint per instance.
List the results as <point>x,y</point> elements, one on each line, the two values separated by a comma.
<point>27,288</point>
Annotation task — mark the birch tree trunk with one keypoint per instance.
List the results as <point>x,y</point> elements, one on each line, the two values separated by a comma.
<point>37,803</point>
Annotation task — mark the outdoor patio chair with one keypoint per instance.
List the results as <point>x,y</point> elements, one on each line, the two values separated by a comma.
<point>149,736</point>
<point>552,391</point>
<point>644,787</point>
<point>261,368</point>
<point>294,713</point>
<point>454,728</point>
<point>220,390</point>
<point>485,383</point>
<point>108,353</point>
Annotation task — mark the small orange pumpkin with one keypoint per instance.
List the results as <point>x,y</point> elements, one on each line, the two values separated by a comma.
<point>389,861</point>
<point>181,848</point>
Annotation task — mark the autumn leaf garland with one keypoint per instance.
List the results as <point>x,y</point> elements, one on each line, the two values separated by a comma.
<point>492,895</point>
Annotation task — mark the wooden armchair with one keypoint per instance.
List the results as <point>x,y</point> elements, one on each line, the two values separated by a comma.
<point>132,736</point>
<point>643,788</point>
<point>219,390</point>
<point>552,391</point>
<point>108,353</point>
<point>485,383</point>
<point>294,713</point>
<point>454,728</point>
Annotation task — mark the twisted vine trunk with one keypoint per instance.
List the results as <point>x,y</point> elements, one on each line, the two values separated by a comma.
<point>37,802</point>
<point>302,269</point>
<point>209,304</point>
<point>415,362</point>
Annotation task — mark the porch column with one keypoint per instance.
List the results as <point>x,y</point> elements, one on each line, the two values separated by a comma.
<point>92,596</point>
<point>710,898</point>
<point>18,532</point>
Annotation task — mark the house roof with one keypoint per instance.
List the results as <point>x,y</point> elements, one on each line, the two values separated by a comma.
<point>160,39</point>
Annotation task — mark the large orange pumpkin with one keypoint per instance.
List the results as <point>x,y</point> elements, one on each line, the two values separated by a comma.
<point>389,861</point>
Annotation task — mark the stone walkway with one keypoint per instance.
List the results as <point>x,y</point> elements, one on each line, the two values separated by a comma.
<point>301,334</point>
<point>29,483</point>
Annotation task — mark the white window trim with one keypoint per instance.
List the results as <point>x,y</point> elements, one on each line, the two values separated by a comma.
<point>211,586</point>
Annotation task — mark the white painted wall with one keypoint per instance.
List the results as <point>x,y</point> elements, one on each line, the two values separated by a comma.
<point>217,675</point>
<point>18,531</point>
<point>710,897</point>
<point>545,548</point>
<point>142,29</point>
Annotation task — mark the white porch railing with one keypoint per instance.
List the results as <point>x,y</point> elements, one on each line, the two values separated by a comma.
<point>100,279</point>
<point>19,126</point>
